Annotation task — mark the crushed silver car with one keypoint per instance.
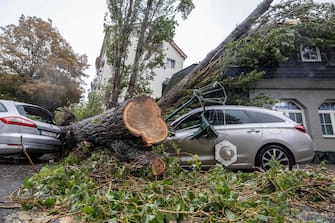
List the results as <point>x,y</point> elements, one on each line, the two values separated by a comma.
<point>27,126</point>
<point>240,137</point>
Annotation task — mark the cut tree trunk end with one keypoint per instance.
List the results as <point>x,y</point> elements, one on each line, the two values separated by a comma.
<point>128,129</point>
<point>142,117</point>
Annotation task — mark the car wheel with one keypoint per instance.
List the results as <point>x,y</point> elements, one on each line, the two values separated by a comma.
<point>274,152</point>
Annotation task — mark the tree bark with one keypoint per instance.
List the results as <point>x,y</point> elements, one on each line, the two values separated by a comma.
<point>129,129</point>
<point>139,51</point>
<point>214,55</point>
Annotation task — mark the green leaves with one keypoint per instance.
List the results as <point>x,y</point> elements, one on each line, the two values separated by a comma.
<point>192,195</point>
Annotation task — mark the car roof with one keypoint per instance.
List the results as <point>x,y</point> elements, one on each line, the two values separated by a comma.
<point>241,107</point>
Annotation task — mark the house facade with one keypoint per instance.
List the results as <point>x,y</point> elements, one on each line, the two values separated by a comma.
<point>305,91</point>
<point>173,62</point>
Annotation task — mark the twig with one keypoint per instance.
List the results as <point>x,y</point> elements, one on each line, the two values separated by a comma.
<point>27,155</point>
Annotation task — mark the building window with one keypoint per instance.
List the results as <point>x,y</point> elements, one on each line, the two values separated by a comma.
<point>170,63</point>
<point>310,53</point>
<point>291,110</point>
<point>327,119</point>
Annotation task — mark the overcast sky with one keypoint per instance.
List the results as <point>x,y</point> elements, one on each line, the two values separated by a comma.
<point>80,22</point>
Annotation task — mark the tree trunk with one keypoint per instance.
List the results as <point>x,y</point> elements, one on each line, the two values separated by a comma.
<point>139,51</point>
<point>172,95</point>
<point>129,129</point>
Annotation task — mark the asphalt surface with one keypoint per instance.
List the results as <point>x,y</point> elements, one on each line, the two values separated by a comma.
<point>13,173</point>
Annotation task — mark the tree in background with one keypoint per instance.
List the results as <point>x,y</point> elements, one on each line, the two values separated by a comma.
<point>38,66</point>
<point>150,23</point>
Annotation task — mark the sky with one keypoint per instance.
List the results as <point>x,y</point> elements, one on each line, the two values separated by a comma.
<point>80,22</point>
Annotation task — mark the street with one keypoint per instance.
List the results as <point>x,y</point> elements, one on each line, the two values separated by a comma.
<point>13,172</point>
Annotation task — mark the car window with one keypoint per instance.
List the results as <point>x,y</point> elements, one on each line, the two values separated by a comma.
<point>2,108</point>
<point>35,113</point>
<point>216,117</point>
<point>235,117</point>
<point>258,117</point>
<point>191,121</point>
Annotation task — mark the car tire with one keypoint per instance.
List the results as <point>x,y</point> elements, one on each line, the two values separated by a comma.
<point>276,152</point>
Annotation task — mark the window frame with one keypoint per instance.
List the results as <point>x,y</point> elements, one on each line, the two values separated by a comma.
<point>312,50</point>
<point>171,63</point>
<point>331,113</point>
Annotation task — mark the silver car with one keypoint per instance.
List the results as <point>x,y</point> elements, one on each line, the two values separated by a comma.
<point>27,126</point>
<point>240,137</point>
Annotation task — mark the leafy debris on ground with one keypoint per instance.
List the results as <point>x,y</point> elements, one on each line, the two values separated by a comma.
<point>102,189</point>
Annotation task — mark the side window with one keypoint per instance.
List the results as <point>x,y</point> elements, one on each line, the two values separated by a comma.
<point>216,117</point>
<point>2,108</point>
<point>35,113</point>
<point>235,117</point>
<point>258,117</point>
<point>190,121</point>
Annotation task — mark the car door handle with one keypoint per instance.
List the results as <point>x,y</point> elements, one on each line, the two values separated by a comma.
<point>253,131</point>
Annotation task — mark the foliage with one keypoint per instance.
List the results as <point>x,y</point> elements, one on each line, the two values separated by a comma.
<point>142,27</point>
<point>82,110</point>
<point>102,189</point>
<point>274,39</point>
<point>47,70</point>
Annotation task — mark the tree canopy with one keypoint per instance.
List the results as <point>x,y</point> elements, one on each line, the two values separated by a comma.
<point>273,39</point>
<point>38,66</point>
<point>144,26</point>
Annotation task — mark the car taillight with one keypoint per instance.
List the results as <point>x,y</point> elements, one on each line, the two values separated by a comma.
<point>15,120</point>
<point>300,128</point>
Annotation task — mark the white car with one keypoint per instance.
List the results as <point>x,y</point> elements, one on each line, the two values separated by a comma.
<point>241,137</point>
<point>27,126</point>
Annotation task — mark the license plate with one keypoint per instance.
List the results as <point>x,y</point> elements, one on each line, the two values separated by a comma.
<point>47,133</point>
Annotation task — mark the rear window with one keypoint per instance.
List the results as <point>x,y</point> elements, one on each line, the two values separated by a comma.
<point>257,117</point>
<point>3,108</point>
<point>35,113</point>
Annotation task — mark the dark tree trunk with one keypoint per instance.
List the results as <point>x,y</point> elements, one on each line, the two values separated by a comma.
<point>173,94</point>
<point>128,129</point>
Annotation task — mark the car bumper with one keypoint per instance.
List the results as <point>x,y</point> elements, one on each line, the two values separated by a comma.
<point>14,143</point>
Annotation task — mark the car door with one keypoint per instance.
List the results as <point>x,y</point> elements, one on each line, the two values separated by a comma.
<point>236,126</point>
<point>203,145</point>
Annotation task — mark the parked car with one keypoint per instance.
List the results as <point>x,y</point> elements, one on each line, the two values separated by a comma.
<point>240,137</point>
<point>27,126</point>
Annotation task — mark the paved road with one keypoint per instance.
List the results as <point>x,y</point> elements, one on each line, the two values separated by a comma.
<point>12,174</point>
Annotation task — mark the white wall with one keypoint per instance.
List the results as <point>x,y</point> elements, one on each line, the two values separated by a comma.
<point>104,73</point>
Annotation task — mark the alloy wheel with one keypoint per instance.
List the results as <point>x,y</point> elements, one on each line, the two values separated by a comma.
<point>275,153</point>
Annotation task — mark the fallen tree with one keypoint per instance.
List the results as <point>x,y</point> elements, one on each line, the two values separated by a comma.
<point>128,129</point>
<point>213,57</point>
